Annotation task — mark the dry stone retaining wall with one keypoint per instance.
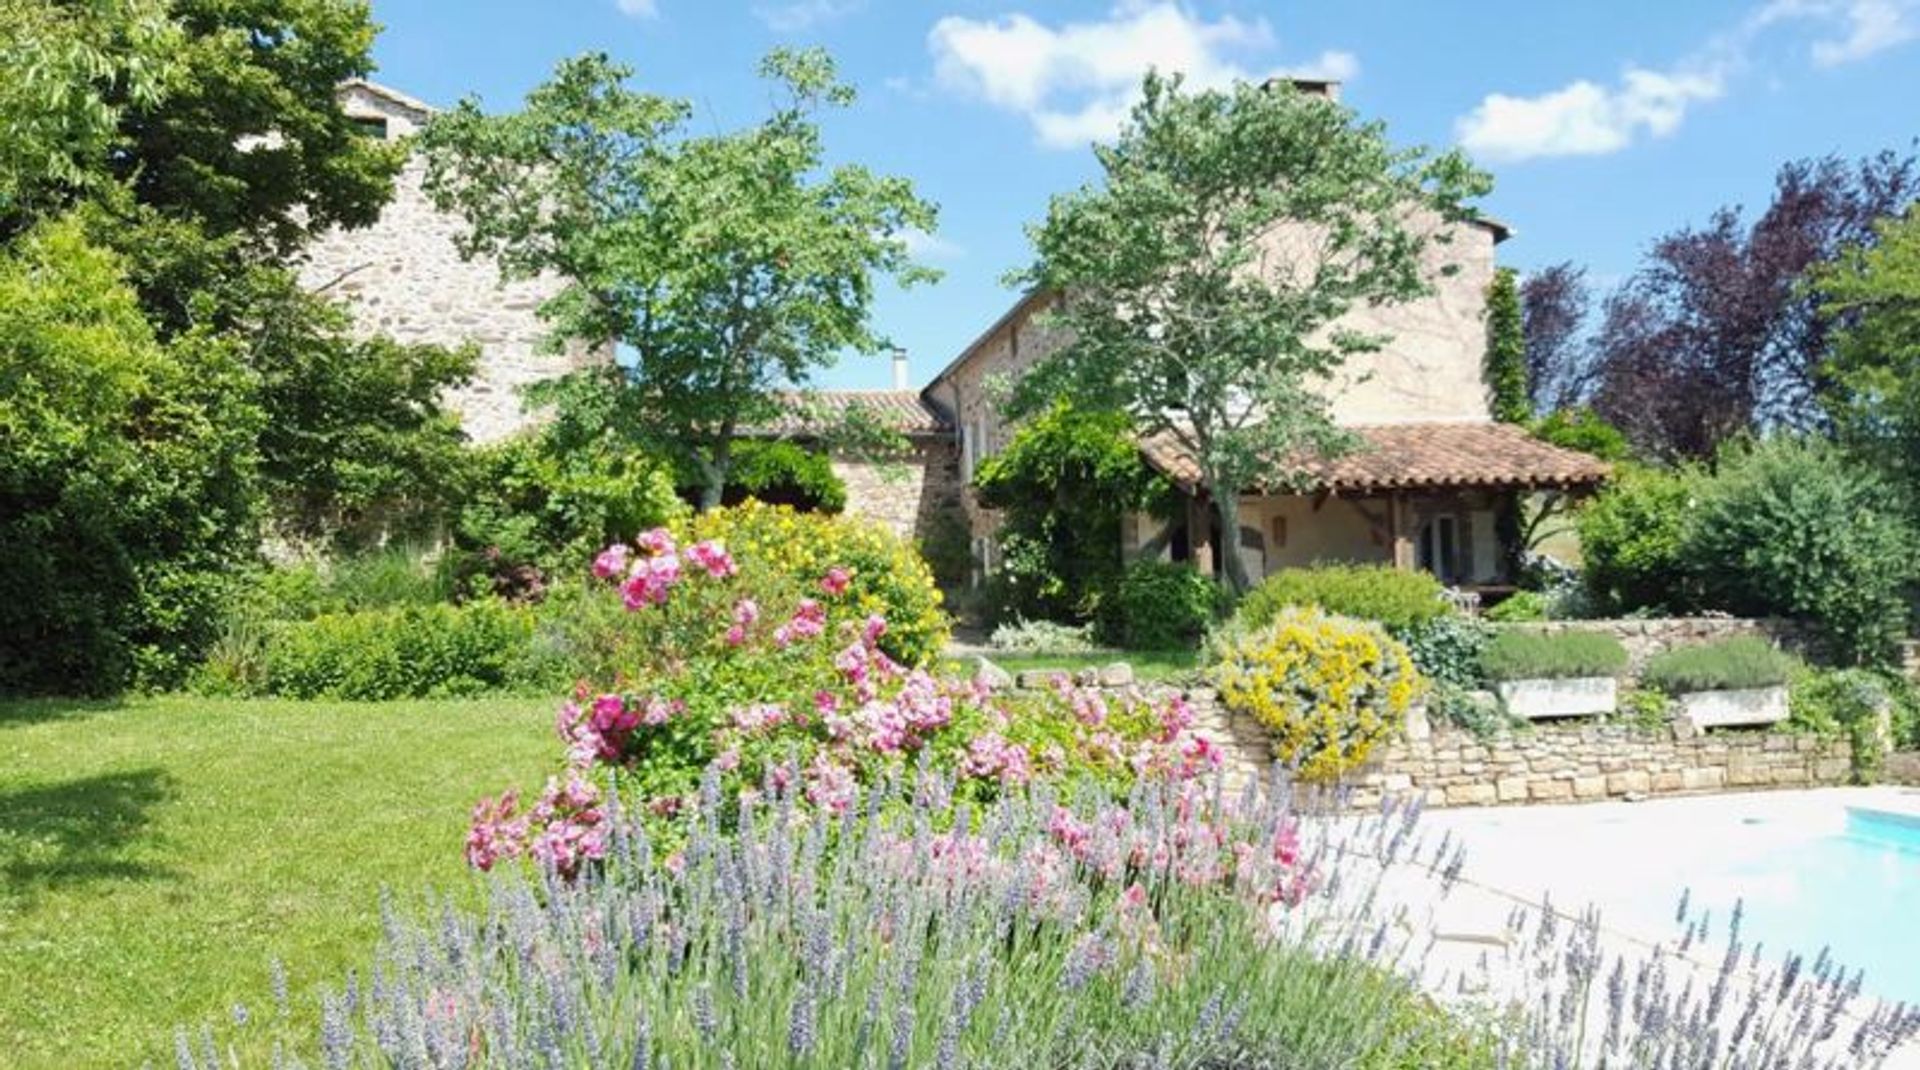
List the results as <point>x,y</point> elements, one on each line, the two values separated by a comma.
<point>1549,762</point>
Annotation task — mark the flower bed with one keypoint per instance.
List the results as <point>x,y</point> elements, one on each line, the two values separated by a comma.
<point>710,670</point>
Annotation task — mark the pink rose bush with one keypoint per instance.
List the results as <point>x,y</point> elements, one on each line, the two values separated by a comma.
<point>714,673</point>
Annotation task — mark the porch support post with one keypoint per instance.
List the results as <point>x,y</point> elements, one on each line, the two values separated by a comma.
<point>1400,528</point>
<point>1200,533</point>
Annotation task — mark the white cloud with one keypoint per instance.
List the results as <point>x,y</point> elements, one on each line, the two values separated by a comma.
<point>1585,119</point>
<point>639,9</point>
<point>1332,65</point>
<point>1076,82</point>
<point>924,246</point>
<point>1870,26</point>
<point>800,15</point>
<point>1856,29</point>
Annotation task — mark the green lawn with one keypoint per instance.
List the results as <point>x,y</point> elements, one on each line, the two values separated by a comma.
<point>156,855</point>
<point>1147,664</point>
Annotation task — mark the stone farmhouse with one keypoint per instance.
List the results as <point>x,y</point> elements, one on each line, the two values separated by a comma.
<point>1424,490</point>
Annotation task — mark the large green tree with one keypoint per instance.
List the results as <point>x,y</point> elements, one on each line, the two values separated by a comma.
<point>68,73</point>
<point>1205,278</point>
<point>1873,394</point>
<point>728,265</point>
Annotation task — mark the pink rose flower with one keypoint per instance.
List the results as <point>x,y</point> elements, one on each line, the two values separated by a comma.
<point>657,543</point>
<point>611,562</point>
<point>835,582</point>
<point>713,557</point>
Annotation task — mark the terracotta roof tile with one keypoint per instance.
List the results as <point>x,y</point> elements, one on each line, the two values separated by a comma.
<point>905,410</point>
<point>1412,456</point>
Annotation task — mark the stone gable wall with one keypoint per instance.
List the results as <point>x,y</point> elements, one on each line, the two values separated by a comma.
<point>403,277</point>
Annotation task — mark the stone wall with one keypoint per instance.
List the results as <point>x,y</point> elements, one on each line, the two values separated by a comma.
<point>1904,768</point>
<point>1551,762</point>
<point>404,278</point>
<point>912,495</point>
<point>1589,761</point>
<point>1645,639</point>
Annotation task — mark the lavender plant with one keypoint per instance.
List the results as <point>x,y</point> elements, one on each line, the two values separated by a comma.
<point>916,931</point>
<point>1178,927</point>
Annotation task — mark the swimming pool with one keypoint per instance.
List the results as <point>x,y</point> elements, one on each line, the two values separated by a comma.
<point>1833,868</point>
<point>1854,890</point>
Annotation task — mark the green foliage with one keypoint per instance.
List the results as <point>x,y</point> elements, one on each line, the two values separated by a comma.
<point>1633,539</point>
<point>1580,428</point>
<point>1475,712</point>
<point>126,490</point>
<point>1873,376</point>
<point>1446,649</point>
<point>1533,655</point>
<point>1171,323</point>
<point>1744,661</point>
<point>778,473</point>
<point>67,73</point>
<point>1505,365</point>
<point>359,446</point>
<point>1328,688</point>
<point>1396,598</point>
<point>1159,605</point>
<point>1062,485</point>
<point>1648,709</point>
<point>1786,527</point>
<point>1826,702</point>
<point>248,139</point>
<point>540,505</point>
<point>1848,703</point>
<point>1521,606</point>
<point>730,264</point>
<point>410,651</point>
<point>1793,527</point>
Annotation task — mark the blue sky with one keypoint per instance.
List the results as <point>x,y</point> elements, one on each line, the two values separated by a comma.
<point>1605,124</point>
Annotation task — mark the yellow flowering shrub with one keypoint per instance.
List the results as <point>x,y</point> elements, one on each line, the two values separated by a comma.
<point>888,577</point>
<point>1327,687</point>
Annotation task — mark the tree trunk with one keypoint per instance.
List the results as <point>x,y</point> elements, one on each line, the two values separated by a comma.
<point>715,468</point>
<point>1233,571</point>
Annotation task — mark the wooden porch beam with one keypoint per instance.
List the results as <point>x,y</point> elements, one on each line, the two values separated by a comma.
<point>1400,527</point>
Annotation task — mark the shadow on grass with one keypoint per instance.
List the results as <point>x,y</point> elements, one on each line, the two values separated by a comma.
<point>78,831</point>
<point>20,712</point>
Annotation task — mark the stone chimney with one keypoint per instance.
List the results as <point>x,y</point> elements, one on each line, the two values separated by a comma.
<point>899,368</point>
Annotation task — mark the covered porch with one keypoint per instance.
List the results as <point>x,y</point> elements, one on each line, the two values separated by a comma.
<point>1433,497</point>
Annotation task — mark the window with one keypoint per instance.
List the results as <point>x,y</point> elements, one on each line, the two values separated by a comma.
<point>966,454</point>
<point>373,126</point>
<point>1439,549</point>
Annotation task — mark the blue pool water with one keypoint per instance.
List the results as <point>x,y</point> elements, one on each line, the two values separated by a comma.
<point>1856,891</point>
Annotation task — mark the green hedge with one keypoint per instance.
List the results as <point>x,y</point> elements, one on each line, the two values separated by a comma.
<point>1728,665</point>
<point>1522,655</point>
<point>407,652</point>
<point>1388,596</point>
